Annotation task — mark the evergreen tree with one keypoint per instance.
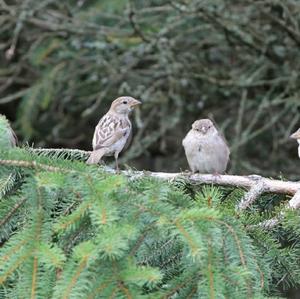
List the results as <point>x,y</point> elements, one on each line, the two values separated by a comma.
<point>69,230</point>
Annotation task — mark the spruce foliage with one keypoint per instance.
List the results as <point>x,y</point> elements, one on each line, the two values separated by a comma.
<point>69,230</point>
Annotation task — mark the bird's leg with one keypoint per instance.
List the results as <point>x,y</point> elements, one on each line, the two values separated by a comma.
<point>216,174</point>
<point>117,164</point>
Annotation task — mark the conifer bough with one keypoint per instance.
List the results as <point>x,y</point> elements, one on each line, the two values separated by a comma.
<point>169,243</point>
<point>256,184</point>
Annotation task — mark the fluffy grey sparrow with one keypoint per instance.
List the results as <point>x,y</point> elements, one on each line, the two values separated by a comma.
<point>205,148</point>
<point>113,130</point>
<point>296,136</point>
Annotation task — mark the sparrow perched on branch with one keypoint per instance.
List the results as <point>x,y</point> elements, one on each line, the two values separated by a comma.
<point>205,148</point>
<point>113,130</point>
<point>296,136</point>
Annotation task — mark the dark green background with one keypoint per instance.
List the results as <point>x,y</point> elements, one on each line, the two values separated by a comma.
<point>237,62</point>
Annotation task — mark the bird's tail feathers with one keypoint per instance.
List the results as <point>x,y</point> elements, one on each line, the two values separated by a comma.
<point>96,156</point>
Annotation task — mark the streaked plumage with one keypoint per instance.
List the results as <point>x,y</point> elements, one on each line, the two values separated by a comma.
<point>113,130</point>
<point>296,136</point>
<point>205,148</point>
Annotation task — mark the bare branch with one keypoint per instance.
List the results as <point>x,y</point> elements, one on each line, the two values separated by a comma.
<point>270,223</point>
<point>255,184</point>
<point>294,203</point>
<point>14,96</point>
<point>254,192</point>
<point>252,183</point>
<point>134,25</point>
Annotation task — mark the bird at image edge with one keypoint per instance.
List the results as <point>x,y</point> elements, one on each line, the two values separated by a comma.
<point>296,136</point>
<point>8,133</point>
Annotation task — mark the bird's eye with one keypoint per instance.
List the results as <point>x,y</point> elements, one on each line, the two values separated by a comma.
<point>125,102</point>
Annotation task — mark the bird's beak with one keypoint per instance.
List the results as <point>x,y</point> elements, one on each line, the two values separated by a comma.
<point>203,130</point>
<point>296,135</point>
<point>135,103</point>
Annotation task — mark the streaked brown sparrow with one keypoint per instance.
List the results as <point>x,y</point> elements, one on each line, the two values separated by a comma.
<point>113,131</point>
<point>296,136</point>
<point>205,148</point>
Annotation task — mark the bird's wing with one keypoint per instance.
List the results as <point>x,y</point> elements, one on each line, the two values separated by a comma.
<point>128,141</point>
<point>224,151</point>
<point>224,140</point>
<point>13,137</point>
<point>221,135</point>
<point>109,130</point>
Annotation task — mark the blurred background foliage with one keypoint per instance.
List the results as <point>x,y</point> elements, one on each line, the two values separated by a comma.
<point>237,62</point>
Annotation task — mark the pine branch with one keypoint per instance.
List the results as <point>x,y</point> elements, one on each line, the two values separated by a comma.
<point>294,203</point>
<point>60,152</point>
<point>254,192</point>
<point>31,164</point>
<point>256,185</point>
<point>247,182</point>
<point>11,213</point>
<point>162,229</point>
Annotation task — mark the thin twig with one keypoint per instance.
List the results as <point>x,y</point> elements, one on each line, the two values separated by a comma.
<point>254,192</point>
<point>31,164</point>
<point>12,211</point>
<point>134,25</point>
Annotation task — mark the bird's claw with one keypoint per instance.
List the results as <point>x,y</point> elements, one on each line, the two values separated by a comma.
<point>217,175</point>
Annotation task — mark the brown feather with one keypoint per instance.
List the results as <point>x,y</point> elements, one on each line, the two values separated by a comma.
<point>96,156</point>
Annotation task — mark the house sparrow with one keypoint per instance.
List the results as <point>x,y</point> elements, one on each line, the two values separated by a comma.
<point>113,131</point>
<point>205,148</point>
<point>296,136</point>
<point>11,139</point>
